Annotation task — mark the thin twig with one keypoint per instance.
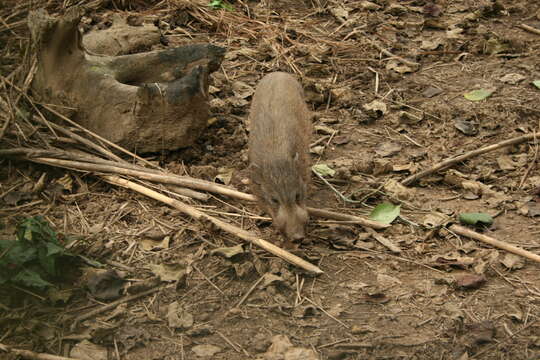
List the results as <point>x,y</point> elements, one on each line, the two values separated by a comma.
<point>529,29</point>
<point>27,354</point>
<point>327,313</point>
<point>449,162</point>
<point>341,196</point>
<point>388,53</point>
<point>494,242</point>
<point>253,287</point>
<point>231,229</point>
<point>114,304</point>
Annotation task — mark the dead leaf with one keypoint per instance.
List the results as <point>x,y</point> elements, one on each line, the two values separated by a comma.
<point>387,148</point>
<point>340,13</point>
<point>470,281</point>
<point>149,244</point>
<point>435,219</point>
<point>387,281</point>
<point>512,79</point>
<point>452,260</point>
<point>242,90</point>
<point>431,92</point>
<point>401,192</point>
<point>317,150</point>
<point>323,129</point>
<point>399,67</point>
<point>178,317</point>
<point>228,252</point>
<point>335,310</point>
<point>375,109</point>
<point>13,198</point>
<point>408,118</point>
<point>362,329</point>
<point>355,285</point>
<point>67,182</point>
<point>431,44</point>
<point>224,176</point>
<point>430,9</point>
<point>382,166</point>
<point>495,46</point>
<point>505,162</point>
<point>271,279</point>
<point>341,140</point>
<point>530,208</point>
<point>396,9</point>
<point>454,33</point>
<point>105,284</point>
<point>282,348</point>
<point>85,350</point>
<point>368,5</point>
<point>301,312</point>
<point>513,262</point>
<point>467,127</point>
<point>237,102</point>
<point>243,269</point>
<point>169,272</point>
<point>479,333</point>
<point>403,167</point>
<point>206,351</point>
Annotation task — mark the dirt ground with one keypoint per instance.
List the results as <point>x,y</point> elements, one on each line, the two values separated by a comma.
<point>386,80</point>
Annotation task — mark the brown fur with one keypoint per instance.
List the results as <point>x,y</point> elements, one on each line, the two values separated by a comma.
<point>280,132</point>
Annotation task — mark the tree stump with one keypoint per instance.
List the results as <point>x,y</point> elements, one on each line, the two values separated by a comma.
<point>144,102</point>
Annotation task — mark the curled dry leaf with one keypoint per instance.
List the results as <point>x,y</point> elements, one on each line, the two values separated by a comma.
<point>512,79</point>
<point>169,272</point>
<point>395,189</point>
<point>467,127</point>
<point>398,67</point>
<point>206,351</point>
<point>228,252</point>
<point>178,317</point>
<point>375,109</point>
<point>105,284</point>
<point>388,148</point>
<point>282,348</point>
<point>513,262</point>
<point>85,350</point>
<point>323,129</point>
<point>470,281</point>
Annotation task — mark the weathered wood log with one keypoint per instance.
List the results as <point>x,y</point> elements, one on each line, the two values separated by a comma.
<point>145,102</point>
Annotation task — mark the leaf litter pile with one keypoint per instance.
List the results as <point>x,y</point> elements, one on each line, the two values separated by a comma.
<point>426,123</point>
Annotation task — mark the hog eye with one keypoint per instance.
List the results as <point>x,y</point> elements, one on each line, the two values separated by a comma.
<point>298,197</point>
<point>274,201</point>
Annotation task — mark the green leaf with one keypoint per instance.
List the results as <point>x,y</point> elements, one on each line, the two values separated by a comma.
<point>30,278</point>
<point>474,218</point>
<point>478,95</point>
<point>33,256</point>
<point>323,170</point>
<point>220,4</point>
<point>385,213</point>
<point>536,83</point>
<point>18,252</point>
<point>54,249</point>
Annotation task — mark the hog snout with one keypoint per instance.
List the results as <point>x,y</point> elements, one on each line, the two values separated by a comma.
<point>291,221</point>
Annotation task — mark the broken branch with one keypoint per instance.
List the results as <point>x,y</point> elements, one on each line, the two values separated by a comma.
<point>231,229</point>
<point>32,355</point>
<point>449,162</point>
<point>494,242</point>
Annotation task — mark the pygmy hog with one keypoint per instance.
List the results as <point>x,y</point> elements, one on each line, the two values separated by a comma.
<point>280,131</point>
